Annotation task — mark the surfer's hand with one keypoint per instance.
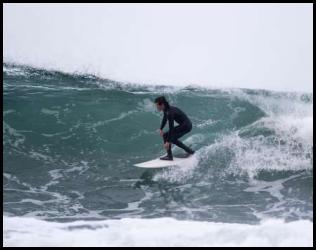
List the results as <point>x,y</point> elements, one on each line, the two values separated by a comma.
<point>166,145</point>
<point>160,132</point>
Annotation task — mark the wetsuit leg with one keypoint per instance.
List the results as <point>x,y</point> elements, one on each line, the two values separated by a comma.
<point>169,152</point>
<point>183,146</point>
<point>179,131</point>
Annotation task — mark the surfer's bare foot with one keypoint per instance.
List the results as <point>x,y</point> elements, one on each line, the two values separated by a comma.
<point>167,158</point>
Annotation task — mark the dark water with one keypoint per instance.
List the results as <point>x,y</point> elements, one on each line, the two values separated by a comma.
<point>70,142</point>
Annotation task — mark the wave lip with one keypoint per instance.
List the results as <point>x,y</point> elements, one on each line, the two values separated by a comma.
<point>155,232</point>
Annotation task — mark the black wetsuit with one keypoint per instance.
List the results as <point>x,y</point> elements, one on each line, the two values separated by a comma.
<point>172,114</point>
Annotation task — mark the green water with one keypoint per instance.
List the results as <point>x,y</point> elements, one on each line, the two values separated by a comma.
<point>70,142</point>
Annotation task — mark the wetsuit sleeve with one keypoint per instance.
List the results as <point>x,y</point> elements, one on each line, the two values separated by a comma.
<point>164,120</point>
<point>171,126</point>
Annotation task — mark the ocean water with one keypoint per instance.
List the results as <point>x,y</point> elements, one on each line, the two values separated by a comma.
<point>70,142</point>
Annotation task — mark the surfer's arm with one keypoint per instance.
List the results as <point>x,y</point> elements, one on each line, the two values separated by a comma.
<point>164,120</point>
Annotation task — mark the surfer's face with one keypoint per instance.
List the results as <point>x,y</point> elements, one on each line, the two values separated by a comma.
<point>160,107</point>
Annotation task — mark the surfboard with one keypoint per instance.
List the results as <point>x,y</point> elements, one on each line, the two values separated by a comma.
<point>157,163</point>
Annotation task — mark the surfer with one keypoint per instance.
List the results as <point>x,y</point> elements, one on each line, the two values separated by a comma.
<point>171,114</point>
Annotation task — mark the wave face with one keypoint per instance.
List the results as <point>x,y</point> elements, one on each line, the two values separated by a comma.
<point>70,142</point>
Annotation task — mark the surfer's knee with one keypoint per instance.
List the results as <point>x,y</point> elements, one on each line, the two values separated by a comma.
<point>173,140</point>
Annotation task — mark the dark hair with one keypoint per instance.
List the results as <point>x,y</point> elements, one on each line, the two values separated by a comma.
<point>162,99</point>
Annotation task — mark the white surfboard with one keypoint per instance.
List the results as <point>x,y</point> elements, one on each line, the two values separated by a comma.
<point>157,163</point>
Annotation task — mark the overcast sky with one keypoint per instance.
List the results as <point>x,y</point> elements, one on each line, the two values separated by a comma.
<point>265,46</point>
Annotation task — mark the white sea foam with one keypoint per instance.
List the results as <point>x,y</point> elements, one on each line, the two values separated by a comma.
<point>206,123</point>
<point>15,139</point>
<point>154,232</point>
<point>179,173</point>
<point>146,105</point>
<point>6,112</point>
<point>288,147</point>
<point>250,155</point>
<point>54,113</point>
<point>120,117</point>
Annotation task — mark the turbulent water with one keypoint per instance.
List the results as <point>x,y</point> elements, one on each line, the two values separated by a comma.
<point>70,142</point>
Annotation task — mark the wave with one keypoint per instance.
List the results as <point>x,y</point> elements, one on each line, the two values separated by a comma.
<point>80,79</point>
<point>83,133</point>
<point>160,232</point>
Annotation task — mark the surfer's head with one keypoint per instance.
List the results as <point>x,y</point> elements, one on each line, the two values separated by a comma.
<point>161,103</point>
